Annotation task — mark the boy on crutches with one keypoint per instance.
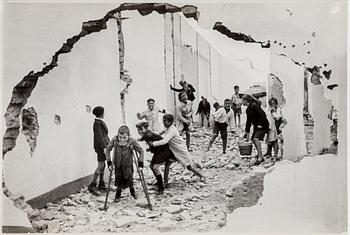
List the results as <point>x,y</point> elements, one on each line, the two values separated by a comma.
<point>124,146</point>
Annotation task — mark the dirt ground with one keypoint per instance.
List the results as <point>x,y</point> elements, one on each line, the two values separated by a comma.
<point>188,205</point>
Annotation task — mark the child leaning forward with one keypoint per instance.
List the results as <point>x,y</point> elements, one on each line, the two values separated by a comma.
<point>161,154</point>
<point>177,145</point>
<point>123,146</point>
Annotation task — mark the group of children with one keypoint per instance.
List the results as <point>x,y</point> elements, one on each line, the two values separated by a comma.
<point>168,146</point>
<point>270,124</point>
<point>167,149</point>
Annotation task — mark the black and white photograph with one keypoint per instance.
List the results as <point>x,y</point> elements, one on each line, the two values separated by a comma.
<point>222,116</point>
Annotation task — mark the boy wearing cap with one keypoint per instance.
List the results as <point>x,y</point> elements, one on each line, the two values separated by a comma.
<point>101,141</point>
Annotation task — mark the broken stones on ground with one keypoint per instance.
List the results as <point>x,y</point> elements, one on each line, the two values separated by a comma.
<point>166,226</point>
<point>187,205</point>
<point>173,209</point>
<point>125,221</point>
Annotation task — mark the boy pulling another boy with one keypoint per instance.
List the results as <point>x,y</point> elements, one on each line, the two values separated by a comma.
<point>177,144</point>
<point>161,154</point>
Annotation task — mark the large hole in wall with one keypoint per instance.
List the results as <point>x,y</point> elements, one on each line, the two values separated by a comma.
<point>276,90</point>
<point>30,127</point>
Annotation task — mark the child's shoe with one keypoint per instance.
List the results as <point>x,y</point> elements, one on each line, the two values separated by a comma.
<point>92,189</point>
<point>102,186</point>
<point>132,192</point>
<point>118,195</point>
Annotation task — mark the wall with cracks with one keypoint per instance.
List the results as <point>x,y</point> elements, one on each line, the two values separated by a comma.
<point>292,78</point>
<point>63,152</point>
<point>220,62</point>
<point>61,98</point>
<point>73,78</point>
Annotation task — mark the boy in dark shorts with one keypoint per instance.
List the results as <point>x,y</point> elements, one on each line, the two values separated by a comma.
<point>101,141</point>
<point>237,106</point>
<point>222,119</point>
<point>177,145</point>
<point>256,117</point>
<point>161,154</point>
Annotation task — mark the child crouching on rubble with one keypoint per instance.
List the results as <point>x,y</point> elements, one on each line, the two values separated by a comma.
<point>277,122</point>
<point>177,144</point>
<point>161,154</point>
<point>123,146</point>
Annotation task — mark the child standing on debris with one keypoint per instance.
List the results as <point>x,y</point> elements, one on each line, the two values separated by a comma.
<point>277,122</point>
<point>237,106</point>
<point>204,110</point>
<point>223,118</point>
<point>161,154</point>
<point>176,144</point>
<point>256,117</point>
<point>101,141</point>
<point>124,146</point>
<point>184,117</point>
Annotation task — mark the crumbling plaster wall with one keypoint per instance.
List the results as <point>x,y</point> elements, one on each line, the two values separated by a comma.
<point>89,69</point>
<point>205,66</point>
<point>292,78</point>
<point>319,108</point>
<point>144,59</point>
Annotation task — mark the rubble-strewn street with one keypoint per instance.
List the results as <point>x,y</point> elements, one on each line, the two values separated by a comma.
<point>187,205</point>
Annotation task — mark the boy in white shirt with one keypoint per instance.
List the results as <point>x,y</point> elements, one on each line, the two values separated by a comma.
<point>223,118</point>
<point>177,145</point>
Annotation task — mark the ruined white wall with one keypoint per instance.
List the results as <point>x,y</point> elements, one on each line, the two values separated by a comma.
<point>144,59</point>
<point>169,62</point>
<point>292,77</point>
<point>302,197</point>
<point>205,75</point>
<point>189,60</point>
<point>63,152</point>
<point>319,108</point>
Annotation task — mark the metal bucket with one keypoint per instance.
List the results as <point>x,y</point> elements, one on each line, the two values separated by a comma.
<point>245,148</point>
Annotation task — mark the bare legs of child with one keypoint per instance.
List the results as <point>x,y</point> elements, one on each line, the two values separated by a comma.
<point>237,117</point>
<point>99,173</point>
<point>224,141</point>
<point>257,145</point>
<point>195,171</point>
<point>272,145</point>
<point>211,141</point>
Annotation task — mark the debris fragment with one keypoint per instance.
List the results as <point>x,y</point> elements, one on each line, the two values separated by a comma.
<point>331,87</point>
<point>327,74</point>
<point>57,119</point>
<point>237,36</point>
<point>30,127</point>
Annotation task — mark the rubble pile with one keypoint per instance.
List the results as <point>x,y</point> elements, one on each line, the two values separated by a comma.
<point>188,204</point>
